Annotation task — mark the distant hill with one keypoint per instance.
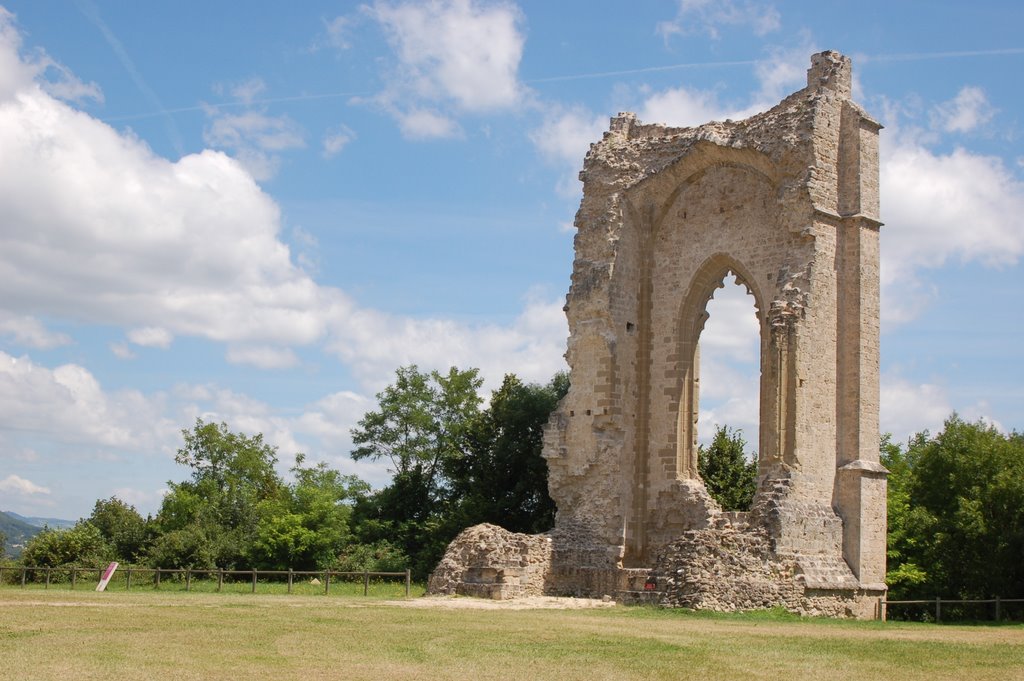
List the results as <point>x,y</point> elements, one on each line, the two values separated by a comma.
<point>19,529</point>
<point>52,523</point>
<point>17,532</point>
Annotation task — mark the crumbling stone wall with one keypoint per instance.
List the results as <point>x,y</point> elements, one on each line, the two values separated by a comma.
<point>786,200</point>
<point>488,561</point>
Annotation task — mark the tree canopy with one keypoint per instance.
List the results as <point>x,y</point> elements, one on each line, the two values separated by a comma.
<point>729,476</point>
<point>454,463</point>
<point>956,513</point>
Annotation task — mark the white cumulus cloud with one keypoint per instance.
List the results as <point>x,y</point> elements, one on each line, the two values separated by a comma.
<point>424,124</point>
<point>337,139</point>
<point>563,138</point>
<point>99,229</point>
<point>967,111</point>
<point>262,356</point>
<point>151,337</point>
<point>30,332</point>
<point>453,56</point>
<point>16,485</point>
<point>254,138</point>
<point>710,16</point>
<point>941,207</point>
<point>68,403</point>
<point>374,344</point>
<point>682,107</point>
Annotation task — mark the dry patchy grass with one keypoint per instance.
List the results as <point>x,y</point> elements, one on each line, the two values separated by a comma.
<point>86,635</point>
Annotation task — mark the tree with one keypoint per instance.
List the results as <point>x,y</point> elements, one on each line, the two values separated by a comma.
<point>238,470</point>
<point>82,545</point>
<point>121,526</point>
<point>212,519</point>
<point>307,528</point>
<point>959,499</point>
<point>904,545</point>
<point>421,426</point>
<point>730,478</point>
<point>505,479</point>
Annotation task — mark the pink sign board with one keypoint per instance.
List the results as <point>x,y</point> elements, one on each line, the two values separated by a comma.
<point>107,574</point>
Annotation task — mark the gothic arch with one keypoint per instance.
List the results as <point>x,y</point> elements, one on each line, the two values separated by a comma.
<point>692,317</point>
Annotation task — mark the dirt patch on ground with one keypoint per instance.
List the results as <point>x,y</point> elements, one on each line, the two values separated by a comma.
<point>531,603</point>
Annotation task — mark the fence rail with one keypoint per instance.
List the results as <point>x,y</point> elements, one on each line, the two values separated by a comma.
<point>156,573</point>
<point>883,605</point>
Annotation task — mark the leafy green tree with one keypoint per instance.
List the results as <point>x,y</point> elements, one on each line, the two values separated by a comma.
<point>904,544</point>
<point>730,478</point>
<point>505,479</point>
<point>81,545</point>
<point>121,526</point>
<point>964,516</point>
<point>238,471</point>
<point>308,526</point>
<point>195,546</point>
<point>212,520</point>
<point>421,427</point>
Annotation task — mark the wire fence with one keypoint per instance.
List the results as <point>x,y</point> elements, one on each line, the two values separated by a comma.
<point>216,580</point>
<point>955,609</point>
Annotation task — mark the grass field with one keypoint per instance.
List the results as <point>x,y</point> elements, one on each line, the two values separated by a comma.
<point>61,634</point>
<point>377,587</point>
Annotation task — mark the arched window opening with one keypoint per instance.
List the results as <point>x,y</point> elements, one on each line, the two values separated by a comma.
<point>730,378</point>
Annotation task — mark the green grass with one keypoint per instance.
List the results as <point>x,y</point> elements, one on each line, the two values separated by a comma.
<point>381,588</point>
<point>60,634</point>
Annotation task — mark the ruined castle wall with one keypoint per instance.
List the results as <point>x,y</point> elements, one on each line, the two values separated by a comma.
<point>788,201</point>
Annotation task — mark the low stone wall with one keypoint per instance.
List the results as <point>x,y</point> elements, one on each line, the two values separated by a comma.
<point>729,568</point>
<point>488,561</point>
<point>779,554</point>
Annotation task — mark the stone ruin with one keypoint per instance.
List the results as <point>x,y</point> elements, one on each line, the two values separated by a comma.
<point>787,202</point>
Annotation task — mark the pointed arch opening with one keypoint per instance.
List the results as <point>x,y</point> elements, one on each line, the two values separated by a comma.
<point>722,344</point>
<point>728,369</point>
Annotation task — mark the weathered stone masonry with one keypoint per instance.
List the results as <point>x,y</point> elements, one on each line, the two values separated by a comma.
<point>786,200</point>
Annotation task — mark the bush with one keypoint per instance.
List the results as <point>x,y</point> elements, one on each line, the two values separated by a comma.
<point>381,556</point>
<point>82,544</point>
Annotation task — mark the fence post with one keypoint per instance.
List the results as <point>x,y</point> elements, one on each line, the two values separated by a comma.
<point>128,579</point>
<point>254,580</point>
<point>47,578</point>
<point>408,582</point>
<point>327,581</point>
<point>22,578</point>
<point>938,609</point>
<point>366,582</point>
<point>997,609</point>
<point>157,586</point>
<point>290,577</point>
<point>220,578</point>
<point>74,577</point>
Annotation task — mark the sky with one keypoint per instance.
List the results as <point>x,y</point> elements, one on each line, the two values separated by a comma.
<point>255,216</point>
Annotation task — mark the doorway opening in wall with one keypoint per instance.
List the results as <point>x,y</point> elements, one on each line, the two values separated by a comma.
<point>730,382</point>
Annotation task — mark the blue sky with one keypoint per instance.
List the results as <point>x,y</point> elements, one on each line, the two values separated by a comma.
<point>256,216</point>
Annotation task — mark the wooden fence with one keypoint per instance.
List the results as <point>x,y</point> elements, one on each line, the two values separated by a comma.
<point>883,605</point>
<point>187,574</point>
